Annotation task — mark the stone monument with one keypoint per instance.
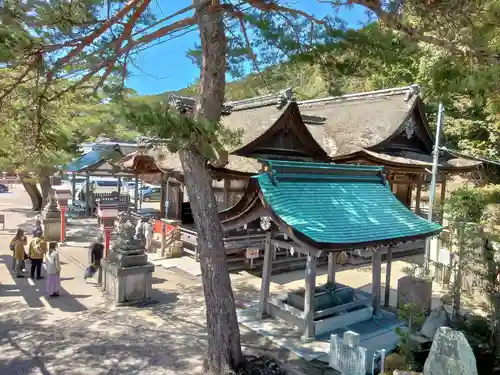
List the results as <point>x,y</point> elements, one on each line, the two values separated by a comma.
<point>51,220</point>
<point>450,354</point>
<point>127,275</point>
<point>415,290</point>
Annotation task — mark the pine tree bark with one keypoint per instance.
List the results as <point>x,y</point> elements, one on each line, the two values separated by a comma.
<point>224,348</point>
<point>45,184</point>
<point>33,192</point>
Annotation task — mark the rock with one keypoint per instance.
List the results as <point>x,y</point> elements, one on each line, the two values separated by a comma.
<point>393,362</point>
<point>450,354</point>
<point>437,319</point>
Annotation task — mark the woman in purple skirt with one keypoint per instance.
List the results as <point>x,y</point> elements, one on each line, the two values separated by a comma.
<point>53,267</point>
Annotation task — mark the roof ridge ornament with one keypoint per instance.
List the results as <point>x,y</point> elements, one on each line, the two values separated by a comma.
<point>285,97</point>
<point>413,90</point>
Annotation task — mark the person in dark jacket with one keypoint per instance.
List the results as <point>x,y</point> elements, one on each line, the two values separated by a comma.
<point>96,253</point>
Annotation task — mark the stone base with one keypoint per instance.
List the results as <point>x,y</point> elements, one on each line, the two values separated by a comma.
<point>127,285</point>
<point>52,229</point>
<point>416,291</point>
<point>135,260</point>
<point>176,249</point>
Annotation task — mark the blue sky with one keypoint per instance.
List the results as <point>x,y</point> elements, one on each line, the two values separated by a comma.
<point>165,67</point>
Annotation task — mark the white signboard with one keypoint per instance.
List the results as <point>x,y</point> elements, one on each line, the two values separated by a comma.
<point>252,253</point>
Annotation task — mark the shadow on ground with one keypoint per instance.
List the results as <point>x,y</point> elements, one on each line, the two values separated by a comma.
<point>108,342</point>
<point>33,294</point>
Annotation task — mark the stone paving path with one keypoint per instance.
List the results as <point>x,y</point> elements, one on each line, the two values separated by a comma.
<point>78,333</point>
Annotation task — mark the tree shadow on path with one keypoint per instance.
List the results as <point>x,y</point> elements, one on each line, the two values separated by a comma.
<point>33,294</point>
<point>108,342</point>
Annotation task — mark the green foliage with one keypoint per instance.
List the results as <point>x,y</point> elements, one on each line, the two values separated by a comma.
<point>68,121</point>
<point>465,205</point>
<point>414,317</point>
<point>179,131</point>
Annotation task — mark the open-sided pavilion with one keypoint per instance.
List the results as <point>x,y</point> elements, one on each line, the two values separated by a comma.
<point>326,208</point>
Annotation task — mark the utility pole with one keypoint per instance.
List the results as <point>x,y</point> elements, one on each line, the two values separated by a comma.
<point>432,191</point>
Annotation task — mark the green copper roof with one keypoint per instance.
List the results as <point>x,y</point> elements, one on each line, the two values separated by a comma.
<point>339,204</point>
<point>91,159</point>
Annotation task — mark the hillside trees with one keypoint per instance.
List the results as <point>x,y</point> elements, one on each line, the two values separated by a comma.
<point>375,57</point>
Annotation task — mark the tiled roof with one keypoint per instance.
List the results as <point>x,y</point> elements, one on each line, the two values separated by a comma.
<point>339,205</point>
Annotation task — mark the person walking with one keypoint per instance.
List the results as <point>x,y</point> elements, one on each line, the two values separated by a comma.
<point>96,253</point>
<point>148,235</point>
<point>17,246</point>
<point>38,231</point>
<point>37,250</point>
<point>53,267</point>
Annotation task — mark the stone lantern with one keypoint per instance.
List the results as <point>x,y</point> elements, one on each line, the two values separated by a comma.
<point>51,220</point>
<point>63,196</point>
<point>107,212</point>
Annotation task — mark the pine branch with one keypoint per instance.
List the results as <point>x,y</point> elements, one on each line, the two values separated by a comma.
<point>394,21</point>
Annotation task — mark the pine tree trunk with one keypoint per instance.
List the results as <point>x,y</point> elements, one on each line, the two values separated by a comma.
<point>224,349</point>
<point>33,192</point>
<point>45,185</point>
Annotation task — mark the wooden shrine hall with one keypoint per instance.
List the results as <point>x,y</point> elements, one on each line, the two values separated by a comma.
<point>386,128</point>
<point>326,208</point>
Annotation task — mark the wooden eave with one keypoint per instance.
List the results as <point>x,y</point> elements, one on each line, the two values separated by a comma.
<point>364,156</point>
<point>289,120</point>
<point>137,162</point>
<point>224,172</point>
<point>418,109</point>
<point>246,210</point>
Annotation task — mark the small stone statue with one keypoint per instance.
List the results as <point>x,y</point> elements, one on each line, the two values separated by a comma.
<point>126,233</point>
<point>124,218</point>
<point>51,202</point>
<point>51,209</point>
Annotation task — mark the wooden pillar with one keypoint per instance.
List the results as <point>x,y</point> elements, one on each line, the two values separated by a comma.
<point>376,280</point>
<point>162,197</point>
<point>387,291</point>
<point>418,194</point>
<point>87,195</point>
<point>73,188</point>
<point>136,192</point>
<point>409,194</point>
<point>225,196</point>
<point>332,263</point>
<point>266,277</point>
<point>309,297</point>
<point>180,200</point>
<point>167,197</point>
<point>442,198</point>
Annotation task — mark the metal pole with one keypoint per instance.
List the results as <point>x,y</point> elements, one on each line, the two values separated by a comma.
<point>432,191</point>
